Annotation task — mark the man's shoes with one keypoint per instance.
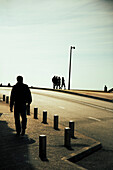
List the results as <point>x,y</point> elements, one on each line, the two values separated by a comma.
<point>23,132</point>
<point>18,133</point>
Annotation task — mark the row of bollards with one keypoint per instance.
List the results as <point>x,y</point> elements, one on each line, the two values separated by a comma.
<point>45,117</point>
<point>6,98</point>
<point>68,131</point>
<point>68,134</point>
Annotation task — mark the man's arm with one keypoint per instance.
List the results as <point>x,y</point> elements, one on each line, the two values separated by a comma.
<point>12,100</point>
<point>28,95</point>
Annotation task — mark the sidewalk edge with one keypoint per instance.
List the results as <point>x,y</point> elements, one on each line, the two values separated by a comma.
<point>77,156</point>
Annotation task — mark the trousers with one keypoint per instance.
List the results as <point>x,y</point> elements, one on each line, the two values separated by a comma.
<point>20,112</point>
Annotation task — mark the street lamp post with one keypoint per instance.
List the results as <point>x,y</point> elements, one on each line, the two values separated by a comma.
<point>70,67</point>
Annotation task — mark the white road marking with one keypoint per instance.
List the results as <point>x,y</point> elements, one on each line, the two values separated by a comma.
<point>94,118</point>
<point>99,107</point>
<point>61,107</point>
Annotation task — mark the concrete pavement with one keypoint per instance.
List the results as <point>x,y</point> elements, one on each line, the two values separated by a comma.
<point>23,152</point>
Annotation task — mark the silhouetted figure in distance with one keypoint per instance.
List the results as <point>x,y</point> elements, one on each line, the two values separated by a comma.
<point>58,82</point>
<point>105,88</point>
<point>20,97</point>
<point>53,80</point>
<point>63,83</point>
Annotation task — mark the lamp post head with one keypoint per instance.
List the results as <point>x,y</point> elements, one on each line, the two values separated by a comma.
<point>72,47</point>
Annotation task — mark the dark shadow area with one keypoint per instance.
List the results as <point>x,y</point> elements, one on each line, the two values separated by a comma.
<point>69,148</point>
<point>56,146</point>
<point>44,159</point>
<point>44,123</point>
<point>57,129</point>
<point>14,149</point>
<point>79,145</point>
<point>1,114</point>
<point>74,137</point>
<point>36,118</point>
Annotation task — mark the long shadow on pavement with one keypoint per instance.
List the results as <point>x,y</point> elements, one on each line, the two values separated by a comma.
<point>13,149</point>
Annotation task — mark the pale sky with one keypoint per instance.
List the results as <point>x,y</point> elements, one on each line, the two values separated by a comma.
<point>35,40</point>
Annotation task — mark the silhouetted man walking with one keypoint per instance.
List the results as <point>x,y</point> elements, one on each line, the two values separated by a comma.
<point>20,97</point>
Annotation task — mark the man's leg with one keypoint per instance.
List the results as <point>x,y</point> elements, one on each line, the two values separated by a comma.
<point>17,121</point>
<point>24,122</point>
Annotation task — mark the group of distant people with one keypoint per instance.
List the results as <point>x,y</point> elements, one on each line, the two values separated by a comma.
<point>58,83</point>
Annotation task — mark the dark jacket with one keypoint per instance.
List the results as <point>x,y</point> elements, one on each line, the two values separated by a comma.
<point>20,95</point>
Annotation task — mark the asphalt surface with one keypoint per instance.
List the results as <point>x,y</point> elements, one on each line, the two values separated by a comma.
<point>93,118</point>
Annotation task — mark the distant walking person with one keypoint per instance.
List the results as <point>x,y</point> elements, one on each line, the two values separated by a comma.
<point>105,88</point>
<point>53,80</point>
<point>20,97</point>
<point>59,82</point>
<point>63,83</point>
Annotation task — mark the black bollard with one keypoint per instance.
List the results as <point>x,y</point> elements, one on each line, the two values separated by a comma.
<point>3,97</point>
<point>7,99</point>
<point>28,109</point>
<point>56,122</point>
<point>42,147</point>
<point>44,117</point>
<point>35,113</point>
<point>67,137</point>
<point>71,125</point>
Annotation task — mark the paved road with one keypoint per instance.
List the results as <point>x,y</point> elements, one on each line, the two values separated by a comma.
<point>93,118</point>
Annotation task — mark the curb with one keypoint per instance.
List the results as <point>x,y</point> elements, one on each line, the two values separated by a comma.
<point>74,157</point>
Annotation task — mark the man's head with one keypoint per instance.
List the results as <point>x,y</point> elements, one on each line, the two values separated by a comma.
<point>20,79</point>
